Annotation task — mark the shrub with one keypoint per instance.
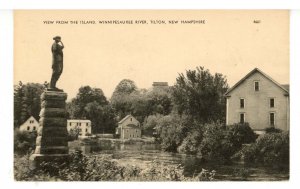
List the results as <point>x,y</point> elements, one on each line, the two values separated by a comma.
<point>24,142</point>
<point>269,149</point>
<point>273,130</point>
<point>73,134</point>
<point>191,143</point>
<point>170,132</point>
<point>150,123</point>
<point>242,133</point>
<point>102,168</point>
<point>216,145</point>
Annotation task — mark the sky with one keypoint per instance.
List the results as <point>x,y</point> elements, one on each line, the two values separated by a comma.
<point>101,55</point>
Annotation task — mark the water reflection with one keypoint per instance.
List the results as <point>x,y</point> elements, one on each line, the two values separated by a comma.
<point>142,154</point>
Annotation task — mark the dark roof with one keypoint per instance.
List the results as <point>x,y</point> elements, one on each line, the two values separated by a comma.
<point>132,126</point>
<point>286,86</point>
<point>126,117</point>
<point>160,84</point>
<point>252,72</point>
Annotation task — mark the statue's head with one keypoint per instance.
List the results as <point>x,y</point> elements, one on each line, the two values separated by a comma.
<point>57,38</point>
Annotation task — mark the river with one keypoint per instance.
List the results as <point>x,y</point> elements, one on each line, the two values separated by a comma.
<point>141,154</point>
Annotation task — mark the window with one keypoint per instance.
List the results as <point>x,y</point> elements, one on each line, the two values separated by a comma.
<point>272,119</point>
<point>136,131</point>
<point>70,123</point>
<point>31,121</point>
<point>79,124</point>
<point>28,128</point>
<point>242,103</point>
<point>86,130</point>
<point>242,117</point>
<point>34,128</point>
<point>272,102</point>
<point>256,85</point>
<point>130,119</point>
<point>87,124</point>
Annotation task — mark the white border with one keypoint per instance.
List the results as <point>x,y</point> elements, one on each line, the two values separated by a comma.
<point>149,4</point>
<point>6,107</point>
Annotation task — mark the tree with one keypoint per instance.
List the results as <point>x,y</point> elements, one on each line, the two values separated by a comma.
<point>128,99</point>
<point>90,103</point>
<point>200,94</point>
<point>27,102</point>
<point>150,123</point>
<point>121,99</point>
<point>171,130</point>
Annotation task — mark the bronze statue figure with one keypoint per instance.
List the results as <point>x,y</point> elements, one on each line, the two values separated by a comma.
<point>57,61</point>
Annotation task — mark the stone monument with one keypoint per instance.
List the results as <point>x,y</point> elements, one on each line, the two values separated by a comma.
<point>51,142</point>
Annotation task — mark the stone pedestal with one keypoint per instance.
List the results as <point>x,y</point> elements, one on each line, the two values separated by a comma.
<point>51,141</point>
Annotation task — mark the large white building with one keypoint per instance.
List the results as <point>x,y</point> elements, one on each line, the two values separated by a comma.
<point>84,126</point>
<point>260,101</point>
<point>31,124</point>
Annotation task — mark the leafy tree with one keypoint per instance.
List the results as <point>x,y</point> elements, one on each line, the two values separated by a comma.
<point>150,123</point>
<point>128,99</point>
<point>27,102</point>
<point>90,103</point>
<point>200,94</point>
<point>160,101</point>
<point>171,129</point>
<point>121,100</point>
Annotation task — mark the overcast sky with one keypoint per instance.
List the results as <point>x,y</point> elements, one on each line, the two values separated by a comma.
<point>101,55</point>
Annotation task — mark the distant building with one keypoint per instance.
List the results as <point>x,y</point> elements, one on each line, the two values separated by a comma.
<point>84,126</point>
<point>129,127</point>
<point>31,124</point>
<point>260,101</point>
<point>160,85</point>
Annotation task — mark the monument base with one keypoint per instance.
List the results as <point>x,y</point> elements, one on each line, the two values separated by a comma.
<point>51,142</point>
<point>36,160</point>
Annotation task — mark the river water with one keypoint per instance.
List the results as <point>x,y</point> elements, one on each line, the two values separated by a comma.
<point>141,154</point>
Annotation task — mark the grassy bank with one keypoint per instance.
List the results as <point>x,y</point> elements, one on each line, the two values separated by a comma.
<point>102,168</point>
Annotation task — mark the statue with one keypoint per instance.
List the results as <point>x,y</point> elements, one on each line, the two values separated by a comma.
<point>57,62</point>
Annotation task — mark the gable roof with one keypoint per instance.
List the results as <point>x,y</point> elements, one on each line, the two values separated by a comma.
<point>132,126</point>
<point>31,117</point>
<point>283,87</point>
<point>286,86</point>
<point>125,118</point>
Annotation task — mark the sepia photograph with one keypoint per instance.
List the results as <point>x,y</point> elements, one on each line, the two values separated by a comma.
<point>151,95</point>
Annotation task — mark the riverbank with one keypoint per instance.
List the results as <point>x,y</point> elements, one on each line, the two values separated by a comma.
<point>102,168</point>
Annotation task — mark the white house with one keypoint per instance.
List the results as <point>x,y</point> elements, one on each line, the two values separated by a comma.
<point>31,124</point>
<point>260,101</point>
<point>84,126</point>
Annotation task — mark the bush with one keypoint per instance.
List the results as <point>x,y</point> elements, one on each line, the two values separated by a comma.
<point>150,123</point>
<point>269,149</point>
<point>242,133</point>
<point>273,130</point>
<point>170,132</point>
<point>216,145</point>
<point>215,142</point>
<point>24,142</point>
<point>102,168</point>
<point>73,134</point>
<point>191,143</point>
